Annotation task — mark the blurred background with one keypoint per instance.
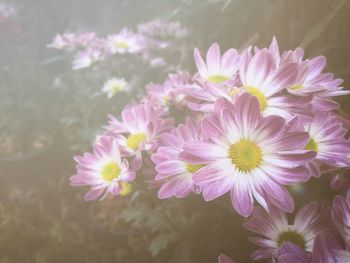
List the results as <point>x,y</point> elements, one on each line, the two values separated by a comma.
<point>49,113</point>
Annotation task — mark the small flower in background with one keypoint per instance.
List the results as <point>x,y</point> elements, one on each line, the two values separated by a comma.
<point>104,170</point>
<point>249,156</point>
<point>175,174</point>
<point>159,28</point>
<point>86,58</point>
<point>115,85</point>
<point>224,259</point>
<point>7,10</point>
<point>125,42</point>
<point>276,230</point>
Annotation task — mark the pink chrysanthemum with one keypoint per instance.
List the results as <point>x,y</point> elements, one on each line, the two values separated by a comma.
<point>248,155</point>
<point>125,42</point>
<point>217,69</point>
<point>86,58</point>
<point>263,78</point>
<point>139,130</point>
<point>175,174</point>
<point>328,141</point>
<point>276,230</point>
<point>104,170</point>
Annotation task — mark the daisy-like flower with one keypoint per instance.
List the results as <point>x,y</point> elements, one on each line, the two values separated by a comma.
<point>248,155</point>
<point>276,230</point>
<point>113,86</point>
<point>125,42</point>
<point>139,129</point>
<point>86,58</point>
<point>327,140</point>
<point>224,259</point>
<point>217,69</point>
<point>160,94</point>
<point>262,78</point>
<point>104,170</point>
<point>176,174</point>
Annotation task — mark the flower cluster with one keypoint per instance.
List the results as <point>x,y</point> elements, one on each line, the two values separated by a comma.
<point>89,48</point>
<point>256,122</point>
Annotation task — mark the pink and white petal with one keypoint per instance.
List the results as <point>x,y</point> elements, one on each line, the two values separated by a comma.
<point>242,197</point>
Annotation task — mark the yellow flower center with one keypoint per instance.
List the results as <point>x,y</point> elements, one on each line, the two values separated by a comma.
<point>218,79</point>
<point>121,45</point>
<point>297,87</point>
<point>312,145</point>
<point>110,171</point>
<point>245,155</point>
<point>116,88</point>
<point>134,140</point>
<point>192,168</point>
<point>291,236</point>
<point>126,188</point>
<point>259,95</point>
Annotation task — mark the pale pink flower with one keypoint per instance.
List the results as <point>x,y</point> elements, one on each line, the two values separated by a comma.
<point>139,130</point>
<point>248,155</point>
<point>275,229</point>
<point>327,139</point>
<point>104,170</point>
<point>125,42</point>
<point>114,86</point>
<point>217,69</point>
<point>174,173</point>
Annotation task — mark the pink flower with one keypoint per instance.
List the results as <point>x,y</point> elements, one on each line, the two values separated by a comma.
<point>86,58</point>
<point>104,170</point>
<point>328,141</point>
<point>224,259</point>
<point>263,78</point>
<point>125,42</point>
<point>175,174</point>
<point>139,130</point>
<point>217,69</point>
<point>276,230</point>
<point>248,155</point>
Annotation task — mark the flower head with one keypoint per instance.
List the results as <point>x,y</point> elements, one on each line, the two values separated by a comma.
<point>104,170</point>
<point>249,156</point>
<point>276,230</point>
<point>139,130</point>
<point>327,140</point>
<point>176,174</point>
<point>125,42</point>
<point>217,69</point>
<point>114,86</point>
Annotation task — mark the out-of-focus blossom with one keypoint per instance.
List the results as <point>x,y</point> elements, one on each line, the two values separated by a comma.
<point>125,42</point>
<point>224,259</point>
<point>115,85</point>
<point>159,28</point>
<point>104,170</point>
<point>176,174</point>
<point>7,10</point>
<point>328,141</point>
<point>86,58</point>
<point>276,230</point>
<point>249,156</point>
<point>72,41</point>
<point>139,130</point>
